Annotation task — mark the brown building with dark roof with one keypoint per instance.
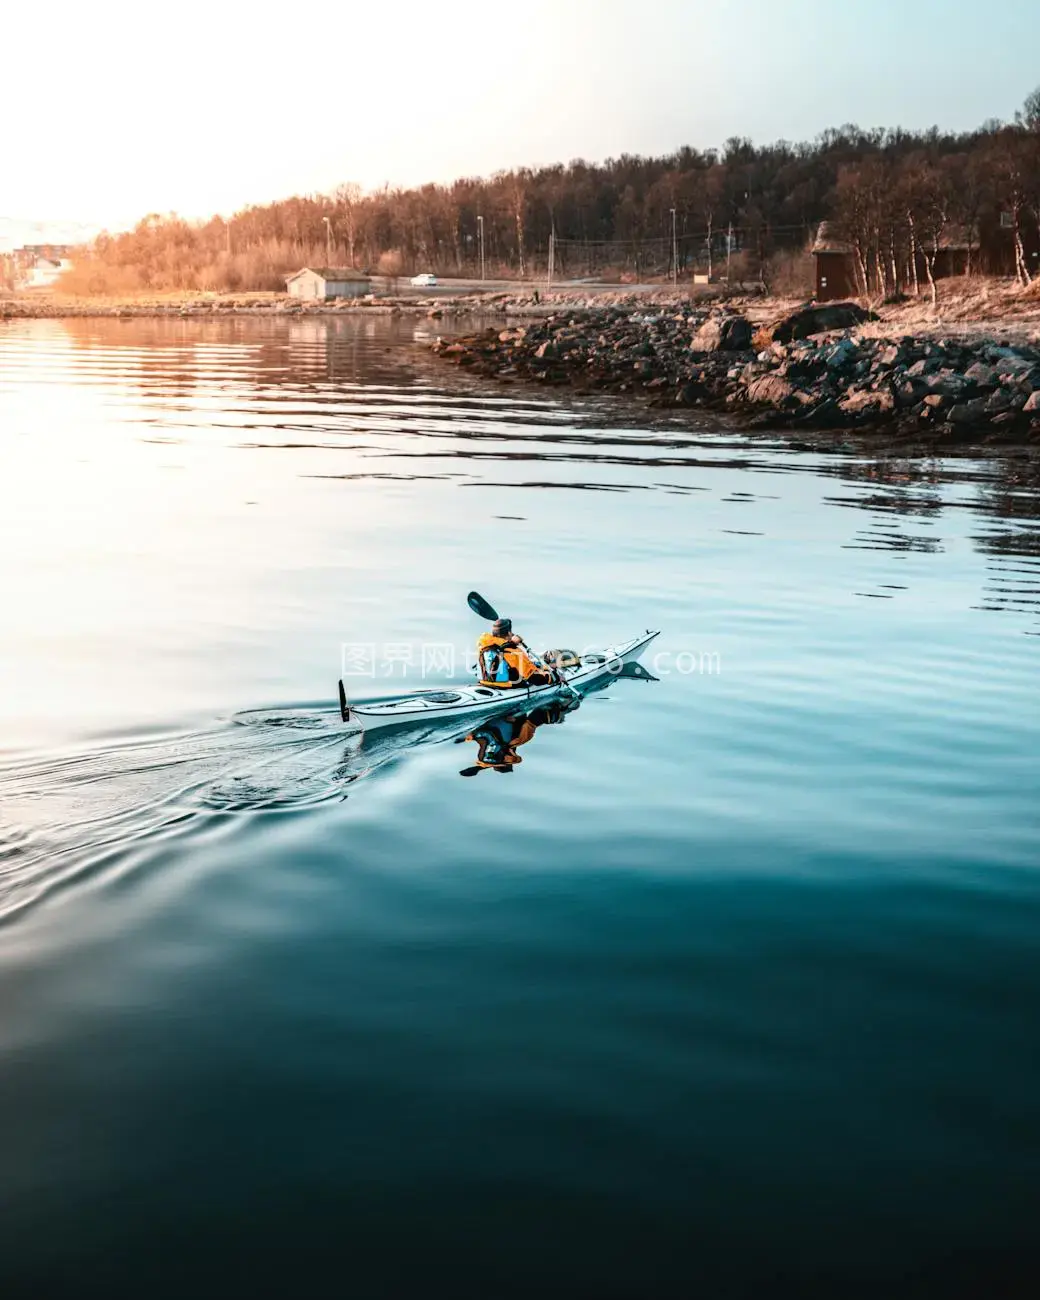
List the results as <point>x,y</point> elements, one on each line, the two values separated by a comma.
<point>989,250</point>
<point>835,266</point>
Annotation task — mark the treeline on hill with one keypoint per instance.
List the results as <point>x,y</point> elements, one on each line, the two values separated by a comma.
<point>893,195</point>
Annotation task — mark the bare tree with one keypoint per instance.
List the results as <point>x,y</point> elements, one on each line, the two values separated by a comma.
<point>1030,114</point>
<point>1012,156</point>
<point>932,199</point>
<point>390,264</point>
<point>347,197</point>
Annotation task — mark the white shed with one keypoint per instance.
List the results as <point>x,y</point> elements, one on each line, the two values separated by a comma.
<point>327,282</point>
<point>45,271</point>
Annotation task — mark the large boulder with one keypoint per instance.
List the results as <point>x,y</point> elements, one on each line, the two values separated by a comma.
<point>807,321</point>
<point>771,390</point>
<point>967,414</point>
<point>868,402</point>
<point>984,376</point>
<point>723,334</point>
<point>948,383</point>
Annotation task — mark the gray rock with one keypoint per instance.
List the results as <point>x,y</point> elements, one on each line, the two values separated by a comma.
<point>841,354</point>
<point>690,394</point>
<point>999,401</point>
<point>818,320</point>
<point>770,389</point>
<point>870,402</point>
<point>723,334</point>
<point>909,391</point>
<point>984,376</point>
<point>948,383</point>
<point>1013,367</point>
<point>968,413</point>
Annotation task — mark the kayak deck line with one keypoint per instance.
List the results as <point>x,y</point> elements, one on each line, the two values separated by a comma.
<point>475,698</point>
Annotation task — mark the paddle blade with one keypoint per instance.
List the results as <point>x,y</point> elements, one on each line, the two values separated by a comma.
<point>479,605</point>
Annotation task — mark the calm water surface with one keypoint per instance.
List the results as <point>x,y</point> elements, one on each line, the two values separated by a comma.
<point>729,988</point>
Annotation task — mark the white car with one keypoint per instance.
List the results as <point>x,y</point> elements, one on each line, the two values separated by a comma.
<point>424,281</point>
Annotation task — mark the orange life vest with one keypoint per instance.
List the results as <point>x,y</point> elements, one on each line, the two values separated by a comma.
<point>491,650</point>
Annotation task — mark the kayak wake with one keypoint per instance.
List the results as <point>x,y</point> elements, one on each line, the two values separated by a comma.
<point>76,814</point>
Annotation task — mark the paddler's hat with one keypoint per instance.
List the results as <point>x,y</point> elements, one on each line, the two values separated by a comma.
<point>502,627</point>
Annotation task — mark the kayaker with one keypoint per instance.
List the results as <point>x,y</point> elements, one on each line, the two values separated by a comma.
<point>503,660</point>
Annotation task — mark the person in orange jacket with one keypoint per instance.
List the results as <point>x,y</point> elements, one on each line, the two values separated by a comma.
<point>504,660</point>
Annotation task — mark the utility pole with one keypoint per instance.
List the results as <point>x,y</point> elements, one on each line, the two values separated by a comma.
<point>480,229</point>
<point>675,253</point>
<point>729,249</point>
<point>552,257</point>
<point>227,236</point>
<point>328,241</point>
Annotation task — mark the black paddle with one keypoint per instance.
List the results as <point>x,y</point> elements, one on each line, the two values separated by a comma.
<point>344,707</point>
<point>479,606</point>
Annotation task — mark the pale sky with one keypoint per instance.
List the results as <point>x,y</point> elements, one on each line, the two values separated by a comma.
<point>115,108</point>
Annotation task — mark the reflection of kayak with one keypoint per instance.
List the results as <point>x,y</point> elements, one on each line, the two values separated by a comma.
<point>365,751</point>
<point>464,702</point>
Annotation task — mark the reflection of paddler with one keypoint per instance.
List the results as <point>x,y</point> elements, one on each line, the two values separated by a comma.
<point>498,739</point>
<point>497,742</point>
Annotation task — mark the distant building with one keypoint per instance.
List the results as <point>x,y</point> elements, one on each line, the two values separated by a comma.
<point>995,250</point>
<point>958,246</point>
<point>45,272</point>
<point>53,252</point>
<point>327,282</point>
<point>835,266</point>
<point>988,251</point>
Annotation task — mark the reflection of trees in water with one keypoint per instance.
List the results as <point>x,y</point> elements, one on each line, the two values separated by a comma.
<point>1010,503</point>
<point>903,488</point>
<point>1005,491</point>
<point>178,354</point>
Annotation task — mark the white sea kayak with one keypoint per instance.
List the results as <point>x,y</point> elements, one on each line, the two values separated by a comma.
<point>467,701</point>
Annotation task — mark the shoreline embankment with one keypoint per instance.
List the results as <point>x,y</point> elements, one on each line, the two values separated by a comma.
<point>830,374</point>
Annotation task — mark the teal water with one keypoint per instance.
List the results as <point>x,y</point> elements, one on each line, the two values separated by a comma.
<point>729,988</point>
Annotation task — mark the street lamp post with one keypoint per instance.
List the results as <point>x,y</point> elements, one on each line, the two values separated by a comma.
<point>328,241</point>
<point>675,253</point>
<point>480,230</point>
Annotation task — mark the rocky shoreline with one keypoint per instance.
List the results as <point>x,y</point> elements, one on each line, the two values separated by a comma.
<point>816,371</point>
